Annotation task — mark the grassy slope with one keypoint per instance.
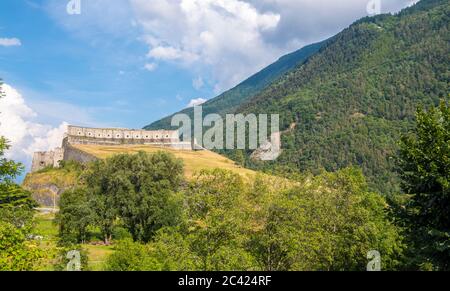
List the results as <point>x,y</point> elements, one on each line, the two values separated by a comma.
<point>46,228</point>
<point>51,176</point>
<point>194,161</point>
<point>44,184</point>
<point>97,254</point>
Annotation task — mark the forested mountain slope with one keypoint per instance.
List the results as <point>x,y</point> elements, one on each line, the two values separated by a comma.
<point>353,99</point>
<point>230,100</point>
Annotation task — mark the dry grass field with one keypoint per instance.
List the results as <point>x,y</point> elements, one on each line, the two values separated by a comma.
<point>194,161</point>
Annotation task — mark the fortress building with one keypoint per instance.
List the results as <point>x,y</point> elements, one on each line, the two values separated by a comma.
<point>77,135</point>
<point>46,159</point>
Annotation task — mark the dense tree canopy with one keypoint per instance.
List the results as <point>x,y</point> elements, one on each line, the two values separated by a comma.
<point>17,253</point>
<point>424,167</point>
<point>141,191</point>
<point>329,223</point>
<point>353,99</point>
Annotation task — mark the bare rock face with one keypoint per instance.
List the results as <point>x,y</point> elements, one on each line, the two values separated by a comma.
<point>270,150</point>
<point>46,187</point>
<point>46,195</point>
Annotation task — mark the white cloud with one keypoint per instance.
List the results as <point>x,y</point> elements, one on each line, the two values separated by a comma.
<point>226,36</point>
<point>10,42</point>
<point>196,102</point>
<point>25,135</point>
<point>171,54</point>
<point>224,41</point>
<point>151,67</point>
<point>233,39</point>
<point>198,83</point>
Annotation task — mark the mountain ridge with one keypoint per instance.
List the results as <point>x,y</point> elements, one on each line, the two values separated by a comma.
<point>353,100</point>
<point>231,99</point>
<point>354,97</point>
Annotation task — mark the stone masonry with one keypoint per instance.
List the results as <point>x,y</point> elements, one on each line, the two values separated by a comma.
<point>77,135</point>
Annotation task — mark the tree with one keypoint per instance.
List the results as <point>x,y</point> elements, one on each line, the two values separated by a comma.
<point>9,169</point>
<point>74,216</point>
<point>130,256</point>
<point>12,195</point>
<point>329,223</point>
<point>424,166</point>
<point>170,251</point>
<point>101,201</point>
<point>16,213</point>
<point>16,204</point>
<point>16,252</point>
<point>141,189</point>
<point>217,221</point>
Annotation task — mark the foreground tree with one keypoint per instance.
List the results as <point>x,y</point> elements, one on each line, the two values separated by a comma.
<point>329,224</point>
<point>141,189</point>
<point>74,216</point>
<point>425,171</point>
<point>218,223</point>
<point>211,236</point>
<point>17,253</point>
<point>12,196</point>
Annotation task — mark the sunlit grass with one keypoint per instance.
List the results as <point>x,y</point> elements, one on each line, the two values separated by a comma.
<point>45,227</point>
<point>97,256</point>
<point>194,161</point>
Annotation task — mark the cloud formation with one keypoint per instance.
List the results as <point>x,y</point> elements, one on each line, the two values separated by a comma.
<point>25,135</point>
<point>198,83</point>
<point>151,67</point>
<point>236,38</point>
<point>10,42</point>
<point>223,41</point>
<point>224,35</point>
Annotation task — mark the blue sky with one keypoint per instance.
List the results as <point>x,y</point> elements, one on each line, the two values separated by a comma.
<point>105,77</point>
<point>126,63</point>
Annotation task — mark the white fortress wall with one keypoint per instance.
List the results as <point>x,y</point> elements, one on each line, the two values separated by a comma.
<point>77,135</point>
<point>125,136</point>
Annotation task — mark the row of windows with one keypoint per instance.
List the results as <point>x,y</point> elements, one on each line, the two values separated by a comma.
<point>120,136</point>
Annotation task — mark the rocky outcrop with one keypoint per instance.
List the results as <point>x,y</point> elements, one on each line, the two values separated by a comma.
<point>47,186</point>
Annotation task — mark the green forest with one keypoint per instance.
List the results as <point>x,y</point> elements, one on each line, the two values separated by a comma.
<point>149,217</point>
<point>365,166</point>
<point>351,99</point>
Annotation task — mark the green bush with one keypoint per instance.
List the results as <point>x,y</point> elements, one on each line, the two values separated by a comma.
<point>16,252</point>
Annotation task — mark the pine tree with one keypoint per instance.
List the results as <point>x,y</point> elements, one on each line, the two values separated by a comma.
<point>425,172</point>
